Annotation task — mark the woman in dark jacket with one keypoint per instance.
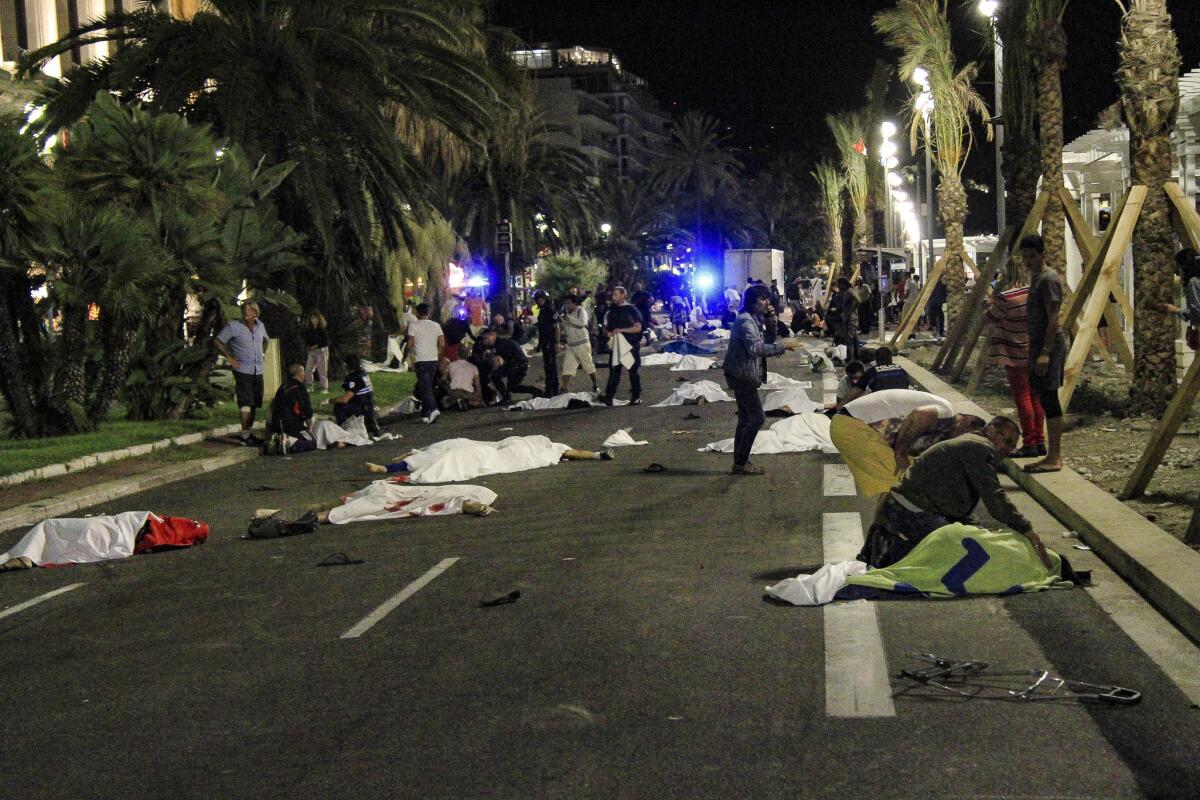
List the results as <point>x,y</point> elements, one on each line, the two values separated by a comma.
<point>746,370</point>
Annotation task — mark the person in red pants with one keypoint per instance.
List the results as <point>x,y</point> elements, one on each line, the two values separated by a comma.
<point>1009,348</point>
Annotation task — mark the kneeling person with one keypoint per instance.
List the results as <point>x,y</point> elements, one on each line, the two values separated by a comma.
<point>291,413</point>
<point>359,399</point>
<point>944,485</point>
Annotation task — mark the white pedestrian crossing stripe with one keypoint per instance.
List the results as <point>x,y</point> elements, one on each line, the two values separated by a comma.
<point>838,481</point>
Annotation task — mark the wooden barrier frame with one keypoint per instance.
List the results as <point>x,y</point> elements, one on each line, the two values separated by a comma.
<point>1095,301</point>
<point>949,349</point>
<point>1187,224</point>
<point>912,311</point>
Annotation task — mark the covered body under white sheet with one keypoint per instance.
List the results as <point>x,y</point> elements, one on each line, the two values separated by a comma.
<point>464,459</point>
<point>690,392</point>
<point>80,540</point>
<point>797,434</point>
<point>385,499</point>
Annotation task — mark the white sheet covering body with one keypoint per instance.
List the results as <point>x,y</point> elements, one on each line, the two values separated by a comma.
<point>560,401</point>
<point>386,500</point>
<point>464,459</point>
<point>328,433</point>
<point>661,359</point>
<point>691,363</point>
<point>777,381</point>
<point>797,434</point>
<point>710,391</point>
<point>795,400</point>
<point>80,540</point>
<point>818,588</point>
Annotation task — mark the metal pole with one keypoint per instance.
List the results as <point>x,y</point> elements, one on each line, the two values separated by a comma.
<point>879,282</point>
<point>929,258</point>
<point>508,289</point>
<point>998,123</point>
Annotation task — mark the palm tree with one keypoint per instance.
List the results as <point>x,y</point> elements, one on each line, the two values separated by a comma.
<point>22,358</point>
<point>1021,150</point>
<point>849,132</point>
<point>308,81</point>
<point>1148,77</point>
<point>920,29</point>
<point>641,225</point>
<point>528,176</point>
<point>695,168</point>
<point>1048,44</point>
<point>830,183</point>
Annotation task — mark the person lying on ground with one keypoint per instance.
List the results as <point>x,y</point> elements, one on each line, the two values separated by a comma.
<point>880,376</point>
<point>291,413</point>
<point>944,485</point>
<point>401,464</point>
<point>358,399</point>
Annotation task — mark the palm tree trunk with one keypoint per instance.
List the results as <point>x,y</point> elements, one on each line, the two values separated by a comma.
<point>69,386</point>
<point>13,384</point>
<point>117,357</point>
<point>952,199</point>
<point>1051,50</point>
<point>1149,79</point>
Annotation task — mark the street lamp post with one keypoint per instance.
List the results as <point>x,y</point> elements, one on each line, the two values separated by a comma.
<point>989,9</point>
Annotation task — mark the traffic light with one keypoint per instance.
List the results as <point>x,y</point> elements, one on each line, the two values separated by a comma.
<point>504,236</point>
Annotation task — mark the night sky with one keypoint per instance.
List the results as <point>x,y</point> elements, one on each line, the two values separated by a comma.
<point>772,69</point>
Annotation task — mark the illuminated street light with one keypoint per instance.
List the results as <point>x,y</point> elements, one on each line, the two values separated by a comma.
<point>605,228</point>
<point>888,148</point>
<point>894,180</point>
<point>989,8</point>
<point>888,129</point>
<point>892,162</point>
<point>920,76</point>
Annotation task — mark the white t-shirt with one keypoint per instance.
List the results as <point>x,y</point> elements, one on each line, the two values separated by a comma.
<point>895,404</point>
<point>462,375</point>
<point>425,333</point>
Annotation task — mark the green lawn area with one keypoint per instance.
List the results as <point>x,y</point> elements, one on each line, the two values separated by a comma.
<point>18,455</point>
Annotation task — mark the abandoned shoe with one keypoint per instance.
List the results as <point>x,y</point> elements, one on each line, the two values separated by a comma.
<point>1028,451</point>
<point>747,469</point>
<point>606,455</point>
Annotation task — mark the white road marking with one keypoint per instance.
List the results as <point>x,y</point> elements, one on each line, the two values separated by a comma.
<point>390,604</point>
<point>839,482</point>
<point>829,381</point>
<point>8,612</point>
<point>856,671</point>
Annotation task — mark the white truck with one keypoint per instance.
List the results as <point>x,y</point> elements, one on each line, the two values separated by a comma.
<point>762,265</point>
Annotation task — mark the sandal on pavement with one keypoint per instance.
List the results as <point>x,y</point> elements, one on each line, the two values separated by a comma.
<point>1040,469</point>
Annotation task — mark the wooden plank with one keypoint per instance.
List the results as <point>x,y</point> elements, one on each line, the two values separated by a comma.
<point>969,344</point>
<point>1071,309</point>
<point>1097,299</point>
<point>1161,439</point>
<point>981,363</point>
<point>1116,335</point>
<point>954,339</point>
<point>1084,240</point>
<point>913,314</point>
<point>1186,219</point>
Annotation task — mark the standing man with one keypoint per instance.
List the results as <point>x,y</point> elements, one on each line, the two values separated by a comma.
<point>1047,348</point>
<point>623,324</point>
<point>576,324</point>
<point>477,312</point>
<point>426,345</point>
<point>548,332</point>
<point>243,343</point>
<point>746,370</point>
<point>643,301</point>
<point>936,310</point>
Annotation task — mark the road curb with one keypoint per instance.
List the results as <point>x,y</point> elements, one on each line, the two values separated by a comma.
<point>33,513</point>
<point>91,460</point>
<point>1162,568</point>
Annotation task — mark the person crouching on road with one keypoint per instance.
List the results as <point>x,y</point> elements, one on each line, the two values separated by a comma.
<point>291,413</point>
<point>359,398</point>
<point>575,325</point>
<point>746,370</point>
<point>944,485</point>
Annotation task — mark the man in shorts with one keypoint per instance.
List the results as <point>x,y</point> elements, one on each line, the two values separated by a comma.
<point>575,324</point>
<point>243,343</point>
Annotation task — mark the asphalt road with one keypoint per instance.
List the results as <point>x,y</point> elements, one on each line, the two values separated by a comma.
<point>639,662</point>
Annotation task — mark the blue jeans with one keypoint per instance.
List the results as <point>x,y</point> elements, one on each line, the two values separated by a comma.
<point>750,418</point>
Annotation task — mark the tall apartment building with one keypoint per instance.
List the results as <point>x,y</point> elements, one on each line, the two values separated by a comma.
<point>30,24</point>
<point>604,110</point>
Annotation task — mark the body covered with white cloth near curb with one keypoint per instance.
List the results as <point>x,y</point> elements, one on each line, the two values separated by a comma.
<point>455,460</point>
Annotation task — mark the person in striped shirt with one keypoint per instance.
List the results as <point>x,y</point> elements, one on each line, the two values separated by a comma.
<point>1009,348</point>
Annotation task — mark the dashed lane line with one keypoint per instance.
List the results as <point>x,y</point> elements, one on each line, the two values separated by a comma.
<point>392,602</point>
<point>838,481</point>
<point>19,607</point>
<point>856,671</point>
